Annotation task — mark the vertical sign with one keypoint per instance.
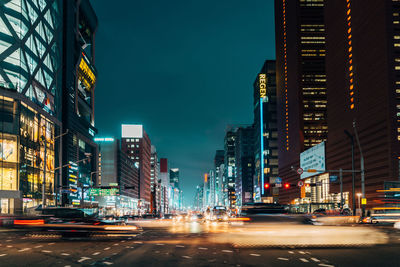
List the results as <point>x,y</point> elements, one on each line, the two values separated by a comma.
<point>263,92</point>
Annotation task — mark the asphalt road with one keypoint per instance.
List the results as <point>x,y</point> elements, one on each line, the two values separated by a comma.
<point>163,248</point>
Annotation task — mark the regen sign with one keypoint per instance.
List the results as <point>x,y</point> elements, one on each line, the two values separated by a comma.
<point>313,158</point>
<point>262,78</point>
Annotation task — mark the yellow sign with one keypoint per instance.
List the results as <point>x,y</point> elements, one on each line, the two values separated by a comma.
<point>86,75</point>
<point>364,201</point>
<point>263,84</point>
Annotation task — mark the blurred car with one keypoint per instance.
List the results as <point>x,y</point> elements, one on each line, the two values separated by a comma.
<point>383,215</point>
<point>197,218</point>
<point>219,214</point>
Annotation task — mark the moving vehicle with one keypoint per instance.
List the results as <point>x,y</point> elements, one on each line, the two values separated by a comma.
<point>383,215</point>
<point>219,213</point>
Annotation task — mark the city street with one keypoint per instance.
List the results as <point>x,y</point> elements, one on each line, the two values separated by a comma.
<point>162,248</point>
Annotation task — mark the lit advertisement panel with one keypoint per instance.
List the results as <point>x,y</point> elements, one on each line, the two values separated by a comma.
<point>132,130</point>
<point>8,149</point>
<point>86,73</point>
<point>313,158</point>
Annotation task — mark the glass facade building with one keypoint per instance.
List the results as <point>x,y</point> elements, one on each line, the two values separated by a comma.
<point>30,93</point>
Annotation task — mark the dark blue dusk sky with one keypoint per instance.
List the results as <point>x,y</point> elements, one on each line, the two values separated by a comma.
<point>184,69</point>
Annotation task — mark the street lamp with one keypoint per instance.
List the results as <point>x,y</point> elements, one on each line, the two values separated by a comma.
<point>359,200</point>
<point>44,140</point>
<point>361,167</point>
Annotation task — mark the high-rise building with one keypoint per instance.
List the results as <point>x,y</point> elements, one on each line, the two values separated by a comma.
<point>265,132</point>
<point>155,182</point>
<point>301,83</point>
<point>244,159</point>
<point>363,67</point>
<point>116,169</point>
<point>198,198</point>
<point>136,144</point>
<point>78,83</point>
<point>230,165</point>
<point>219,178</point>
<point>30,102</point>
<point>174,177</point>
<point>165,186</point>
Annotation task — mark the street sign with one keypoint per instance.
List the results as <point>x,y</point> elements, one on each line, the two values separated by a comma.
<point>299,171</point>
<point>300,183</point>
<point>363,201</point>
<point>103,192</point>
<point>278,185</point>
<point>333,178</point>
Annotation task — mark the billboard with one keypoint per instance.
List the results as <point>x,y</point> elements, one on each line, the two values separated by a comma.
<point>132,131</point>
<point>313,158</point>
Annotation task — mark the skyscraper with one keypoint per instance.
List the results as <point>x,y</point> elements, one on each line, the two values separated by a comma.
<point>363,66</point>
<point>219,178</point>
<point>230,165</point>
<point>265,132</point>
<point>244,159</point>
<point>79,82</point>
<point>301,83</point>
<point>30,102</point>
<point>174,177</point>
<point>136,144</point>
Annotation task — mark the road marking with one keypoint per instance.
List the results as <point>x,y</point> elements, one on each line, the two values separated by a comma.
<point>157,251</point>
<point>50,243</point>
<point>107,248</point>
<point>302,252</point>
<point>116,244</point>
<point>123,241</point>
<point>24,249</point>
<point>160,244</point>
<point>84,259</point>
<point>325,265</point>
<point>2,255</point>
<point>138,242</point>
<point>180,246</point>
<point>9,246</point>
<point>227,251</point>
<point>107,263</point>
<point>39,246</point>
<point>67,266</point>
<point>46,251</point>
<point>9,240</point>
<point>65,254</point>
<point>255,255</point>
<point>283,259</point>
<point>203,248</point>
<point>291,252</point>
<point>96,253</point>
<point>303,260</point>
<point>315,259</point>
<point>186,257</point>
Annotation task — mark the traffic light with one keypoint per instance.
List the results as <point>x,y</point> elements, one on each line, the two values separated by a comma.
<point>286,185</point>
<point>267,186</point>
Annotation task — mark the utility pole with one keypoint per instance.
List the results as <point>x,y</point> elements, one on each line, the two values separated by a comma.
<point>361,167</point>
<point>44,172</point>
<point>341,187</point>
<point>353,175</point>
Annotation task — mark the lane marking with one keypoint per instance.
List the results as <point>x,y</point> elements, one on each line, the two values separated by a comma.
<point>302,252</point>
<point>186,257</point>
<point>116,244</point>
<point>50,243</point>
<point>180,246</point>
<point>46,251</point>
<point>67,266</point>
<point>2,255</point>
<point>291,252</point>
<point>203,248</point>
<point>227,251</point>
<point>84,259</point>
<point>160,244</point>
<point>255,255</point>
<point>303,260</point>
<point>24,249</point>
<point>9,240</point>
<point>65,254</point>
<point>315,259</point>
<point>39,246</point>
<point>96,253</point>
<point>325,265</point>
<point>107,263</point>
<point>123,241</point>
<point>107,248</point>
<point>283,259</point>
<point>9,246</point>
<point>138,242</point>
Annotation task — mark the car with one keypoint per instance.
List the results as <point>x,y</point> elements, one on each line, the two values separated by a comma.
<point>383,215</point>
<point>219,213</point>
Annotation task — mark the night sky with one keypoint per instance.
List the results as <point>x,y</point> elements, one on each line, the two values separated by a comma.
<point>184,69</point>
